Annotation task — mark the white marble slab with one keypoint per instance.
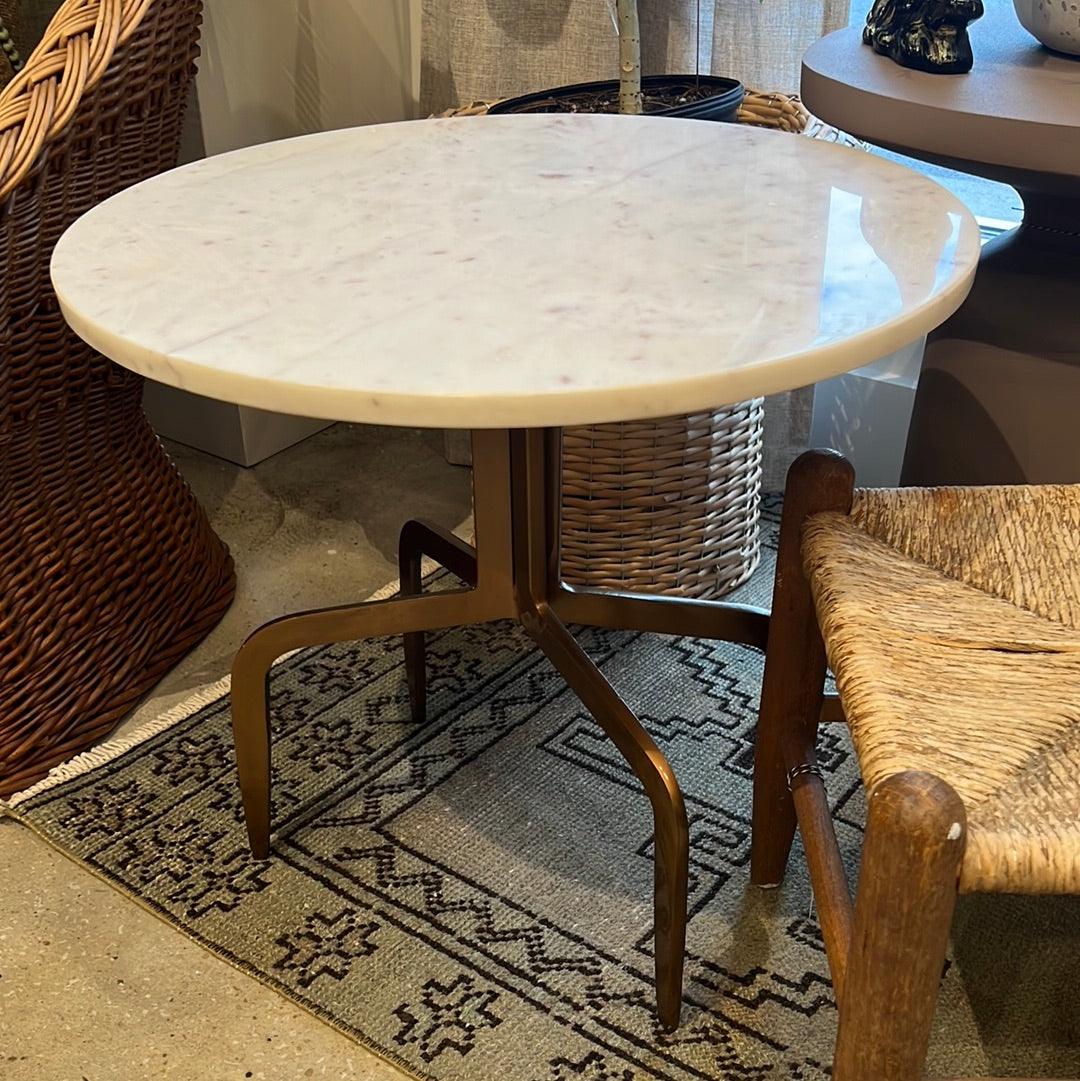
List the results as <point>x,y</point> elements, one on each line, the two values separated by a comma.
<point>515,271</point>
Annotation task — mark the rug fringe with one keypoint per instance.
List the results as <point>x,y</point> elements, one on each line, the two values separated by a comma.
<point>106,752</point>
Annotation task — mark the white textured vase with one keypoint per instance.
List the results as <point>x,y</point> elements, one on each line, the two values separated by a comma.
<point>1056,23</point>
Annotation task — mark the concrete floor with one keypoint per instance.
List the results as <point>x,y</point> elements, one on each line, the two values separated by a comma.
<point>93,987</point>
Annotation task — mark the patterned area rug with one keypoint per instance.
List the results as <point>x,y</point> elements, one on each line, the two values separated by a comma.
<point>471,897</point>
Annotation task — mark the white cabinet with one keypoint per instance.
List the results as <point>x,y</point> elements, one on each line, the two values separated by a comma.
<point>274,68</point>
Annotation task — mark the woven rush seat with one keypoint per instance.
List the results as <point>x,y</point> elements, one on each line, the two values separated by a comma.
<point>109,570</point>
<point>950,620</point>
<point>949,617</point>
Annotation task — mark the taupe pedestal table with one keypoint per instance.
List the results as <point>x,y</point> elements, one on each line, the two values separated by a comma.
<point>996,400</point>
<point>513,275</point>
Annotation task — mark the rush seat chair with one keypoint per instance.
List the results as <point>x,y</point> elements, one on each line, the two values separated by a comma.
<point>948,617</point>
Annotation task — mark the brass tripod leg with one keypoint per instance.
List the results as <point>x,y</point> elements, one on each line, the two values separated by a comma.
<point>492,598</point>
<point>671,832</point>
<point>492,501</point>
<point>416,540</point>
<point>536,472</point>
<point>514,570</point>
<point>660,614</point>
<point>352,622</point>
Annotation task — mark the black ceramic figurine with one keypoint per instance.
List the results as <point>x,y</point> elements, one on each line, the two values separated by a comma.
<point>929,35</point>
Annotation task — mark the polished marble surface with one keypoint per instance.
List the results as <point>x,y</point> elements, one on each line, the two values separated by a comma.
<point>516,271</point>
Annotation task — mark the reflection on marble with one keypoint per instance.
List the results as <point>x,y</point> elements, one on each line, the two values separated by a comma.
<point>516,271</point>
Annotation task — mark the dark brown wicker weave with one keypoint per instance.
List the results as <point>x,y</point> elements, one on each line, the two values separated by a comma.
<point>109,571</point>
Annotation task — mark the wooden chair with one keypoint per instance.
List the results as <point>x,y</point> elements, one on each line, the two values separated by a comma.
<point>949,619</point>
<point>109,571</point>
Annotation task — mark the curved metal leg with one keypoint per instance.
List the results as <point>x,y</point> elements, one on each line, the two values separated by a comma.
<point>671,832</point>
<point>249,694</point>
<point>351,622</point>
<point>416,540</point>
<point>661,614</point>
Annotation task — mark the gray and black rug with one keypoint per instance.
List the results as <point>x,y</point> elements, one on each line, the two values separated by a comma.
<point>471,897</point>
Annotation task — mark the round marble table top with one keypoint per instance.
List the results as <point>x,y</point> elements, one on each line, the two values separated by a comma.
<point>518,271</point>
<point>1017,109</point>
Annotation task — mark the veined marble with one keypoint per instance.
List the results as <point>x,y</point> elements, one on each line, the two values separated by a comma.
<point>515,271</point>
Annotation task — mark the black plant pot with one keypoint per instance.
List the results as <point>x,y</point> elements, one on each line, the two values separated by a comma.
<point>699,97</point>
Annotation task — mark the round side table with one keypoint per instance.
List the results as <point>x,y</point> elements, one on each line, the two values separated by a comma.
<point>350,275</point>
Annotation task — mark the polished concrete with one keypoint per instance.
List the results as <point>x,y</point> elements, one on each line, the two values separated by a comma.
<point>93,987</point>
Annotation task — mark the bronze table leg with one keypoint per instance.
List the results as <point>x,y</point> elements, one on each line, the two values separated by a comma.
<point>513,573</point>
<point>491,597</point>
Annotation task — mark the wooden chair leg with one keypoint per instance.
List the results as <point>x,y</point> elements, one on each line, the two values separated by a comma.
<point>915,835</point>
<point>794,676</point>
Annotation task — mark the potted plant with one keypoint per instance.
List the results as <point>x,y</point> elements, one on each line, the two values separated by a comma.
<point>630,101</point>
<point>702,97</point>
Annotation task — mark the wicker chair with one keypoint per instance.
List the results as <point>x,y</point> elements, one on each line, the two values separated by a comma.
<point>109,571</point>
<point>949,617</point>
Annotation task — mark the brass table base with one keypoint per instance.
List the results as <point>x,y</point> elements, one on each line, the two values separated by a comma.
<point>512,574</point>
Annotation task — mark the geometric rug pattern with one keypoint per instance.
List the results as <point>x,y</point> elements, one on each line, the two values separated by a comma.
<point>471,897</point>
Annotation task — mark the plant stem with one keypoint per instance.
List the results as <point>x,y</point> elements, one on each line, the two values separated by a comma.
<point>629,58</point>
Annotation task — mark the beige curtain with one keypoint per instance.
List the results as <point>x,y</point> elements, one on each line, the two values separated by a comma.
<point>761,42</point>
<point>473,50</point>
